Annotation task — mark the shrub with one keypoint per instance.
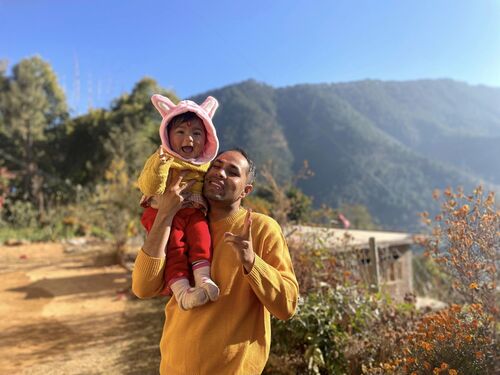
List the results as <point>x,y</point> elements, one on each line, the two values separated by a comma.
<point>338,330</point>
<point>22,214</point>
<point>340,326</point>
<point>455,340</point>
<point>464,244</point>
<point>110,211</point>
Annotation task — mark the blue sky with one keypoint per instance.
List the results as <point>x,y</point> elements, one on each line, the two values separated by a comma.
<point>193,46</point>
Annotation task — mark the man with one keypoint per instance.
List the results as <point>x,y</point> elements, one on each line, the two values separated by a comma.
<point>251,264</point>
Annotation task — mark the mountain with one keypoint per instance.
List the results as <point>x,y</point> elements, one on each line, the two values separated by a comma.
<point>386,145</point>
<point>443,119</point>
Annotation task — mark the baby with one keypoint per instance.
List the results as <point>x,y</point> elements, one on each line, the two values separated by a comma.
<point>189,142</point>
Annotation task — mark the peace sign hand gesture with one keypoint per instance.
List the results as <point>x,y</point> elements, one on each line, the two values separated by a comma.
<point>242,244</point>
<point>171,200</point>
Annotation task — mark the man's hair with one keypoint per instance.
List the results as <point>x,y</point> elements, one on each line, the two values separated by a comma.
<point>251,165</point>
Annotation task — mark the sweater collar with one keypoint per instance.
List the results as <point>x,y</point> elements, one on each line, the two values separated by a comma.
<point>231,219</point>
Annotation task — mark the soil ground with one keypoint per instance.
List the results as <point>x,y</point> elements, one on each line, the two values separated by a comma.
<point>69,311</point>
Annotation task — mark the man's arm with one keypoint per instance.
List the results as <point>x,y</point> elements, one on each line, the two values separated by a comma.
<point>147,277</point>
<point>270,275</point>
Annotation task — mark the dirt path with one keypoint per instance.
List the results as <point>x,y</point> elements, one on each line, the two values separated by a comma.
<point>67,313</point>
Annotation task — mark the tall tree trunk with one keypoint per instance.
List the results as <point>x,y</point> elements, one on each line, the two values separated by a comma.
<point>28,147</point>
<point>37,184</point>
<point>33,182</point>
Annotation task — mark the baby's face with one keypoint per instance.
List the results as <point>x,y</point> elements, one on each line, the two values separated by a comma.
<point>188,138</point>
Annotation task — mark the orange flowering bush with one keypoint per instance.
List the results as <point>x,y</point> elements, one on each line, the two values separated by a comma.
<point>342,327</point>
<point>456,340</point>
<point>465,242</point>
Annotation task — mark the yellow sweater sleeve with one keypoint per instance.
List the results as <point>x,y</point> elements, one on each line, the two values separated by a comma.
<point>272,277</point>
<point>147,276</point>
<point>153,178</point>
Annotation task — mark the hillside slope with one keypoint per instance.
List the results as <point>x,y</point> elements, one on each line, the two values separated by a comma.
<point>386,145</point>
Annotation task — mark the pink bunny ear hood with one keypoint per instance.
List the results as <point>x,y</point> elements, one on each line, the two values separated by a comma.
<point>205,112</point>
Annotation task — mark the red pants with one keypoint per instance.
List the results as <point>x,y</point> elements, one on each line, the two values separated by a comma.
<point>189,242</point>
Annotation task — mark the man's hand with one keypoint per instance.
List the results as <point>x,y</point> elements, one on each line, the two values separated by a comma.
<point>171,200</point>
<point>242,244</point>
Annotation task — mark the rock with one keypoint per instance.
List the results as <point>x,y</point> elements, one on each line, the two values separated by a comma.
<point>16,242</point>
<point>432,304</point>
<point>77,241</point>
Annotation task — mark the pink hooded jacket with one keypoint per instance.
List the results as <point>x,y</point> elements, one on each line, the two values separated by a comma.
<point>205,112</point>
<point>153,178</point>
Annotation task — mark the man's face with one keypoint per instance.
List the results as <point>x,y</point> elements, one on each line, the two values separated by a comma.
<point>226,179</point>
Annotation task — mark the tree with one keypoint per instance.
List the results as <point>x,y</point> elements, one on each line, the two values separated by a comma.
<point>79,150</point>
<point>300,205</point>
<point>115,203</point>
<point>31,103</point>
<point>3,85</point>
<point>89,144</point>
<point>284,202</point>
<point>359,216</point>
<point>133,126</point>
<point>5,176</point>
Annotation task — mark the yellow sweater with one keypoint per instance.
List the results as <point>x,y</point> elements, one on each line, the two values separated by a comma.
<point>153,178</point>
<point>232,335</point>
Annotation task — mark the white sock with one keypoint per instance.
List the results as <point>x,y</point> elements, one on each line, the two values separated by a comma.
<point>202,279</point>
<point>188,297</point>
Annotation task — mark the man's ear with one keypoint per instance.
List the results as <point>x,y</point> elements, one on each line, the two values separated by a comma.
<point>247,190</point>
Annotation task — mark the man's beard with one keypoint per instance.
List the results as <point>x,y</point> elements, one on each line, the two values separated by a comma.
<point>215,196</point>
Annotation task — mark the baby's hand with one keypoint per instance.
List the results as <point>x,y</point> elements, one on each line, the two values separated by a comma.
<point>164,156</point>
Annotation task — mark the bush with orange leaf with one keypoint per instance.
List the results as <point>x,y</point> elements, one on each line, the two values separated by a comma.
<point>456,340</point>
<point>465,244</point>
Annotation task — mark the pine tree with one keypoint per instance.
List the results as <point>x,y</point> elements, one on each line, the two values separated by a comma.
<point>31,103</point>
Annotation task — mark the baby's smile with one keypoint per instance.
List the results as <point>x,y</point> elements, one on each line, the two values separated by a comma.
<point>187,149</point>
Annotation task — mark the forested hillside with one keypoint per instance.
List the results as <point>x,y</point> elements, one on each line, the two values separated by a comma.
<point>384,145</point>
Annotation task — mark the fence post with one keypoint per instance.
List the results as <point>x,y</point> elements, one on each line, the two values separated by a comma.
<point>374,265</point>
